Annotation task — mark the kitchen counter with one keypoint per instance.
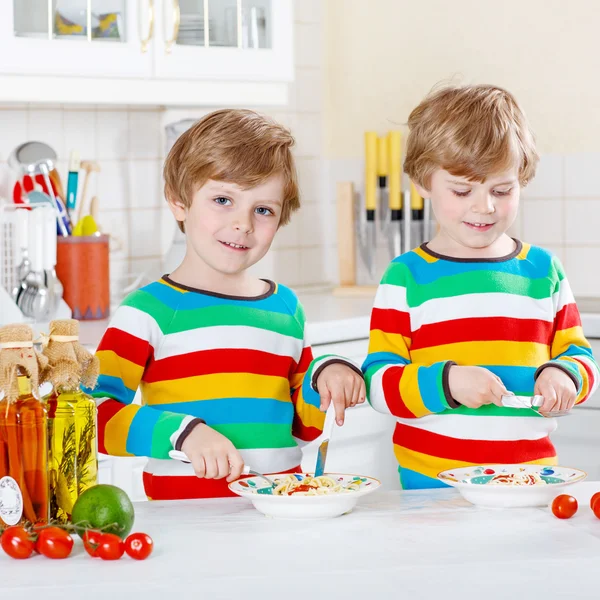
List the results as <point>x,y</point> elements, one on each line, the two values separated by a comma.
<point>415,544</point>
<point>333,319</point>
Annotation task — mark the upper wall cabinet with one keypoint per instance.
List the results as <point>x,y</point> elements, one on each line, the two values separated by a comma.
<point>174,52</point>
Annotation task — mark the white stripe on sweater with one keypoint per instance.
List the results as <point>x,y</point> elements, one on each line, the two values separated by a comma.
<point>376,395</point>
<point>491,428</point>
<point>229,336</point>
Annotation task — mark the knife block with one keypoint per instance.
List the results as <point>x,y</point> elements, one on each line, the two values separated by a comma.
<point>346,237</point>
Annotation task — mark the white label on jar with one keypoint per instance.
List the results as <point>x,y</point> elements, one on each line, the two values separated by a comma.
<point>11,501</point>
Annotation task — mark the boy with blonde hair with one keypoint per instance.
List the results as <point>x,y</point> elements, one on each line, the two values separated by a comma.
<point>473,315</point>
<point>221,357</point>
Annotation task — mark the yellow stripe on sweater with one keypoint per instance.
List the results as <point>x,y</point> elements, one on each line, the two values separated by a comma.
<point>432,465</point>
<point>310,415</point>
<point>564,338</point>
<point>380,341</point>
<point>115,432</point>
<point>217,385</point>
<point>499,353</point>
<point>115,366</point>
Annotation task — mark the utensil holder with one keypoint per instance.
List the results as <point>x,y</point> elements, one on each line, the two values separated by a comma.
<point>83,268</point>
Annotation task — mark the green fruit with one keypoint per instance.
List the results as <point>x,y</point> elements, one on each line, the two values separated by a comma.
<point>103,507</point>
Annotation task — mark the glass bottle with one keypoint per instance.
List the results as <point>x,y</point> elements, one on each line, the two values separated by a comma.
<point>24,493</point>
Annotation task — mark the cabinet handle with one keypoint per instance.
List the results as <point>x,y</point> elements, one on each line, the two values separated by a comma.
<point>176,22</point>
<point>146,40</point>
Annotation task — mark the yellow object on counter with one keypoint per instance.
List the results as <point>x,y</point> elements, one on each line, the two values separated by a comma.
<point>416,202</point>
<point>370,170</point>
<point>382,157</point>
<point>395,170</point>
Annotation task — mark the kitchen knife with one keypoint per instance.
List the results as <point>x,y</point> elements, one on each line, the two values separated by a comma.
<point>417,209</point>
<point>370,199</point>
<point>382,180</point>
<point>512,401</point>
<point>395,194</point>
<point>324,446</point>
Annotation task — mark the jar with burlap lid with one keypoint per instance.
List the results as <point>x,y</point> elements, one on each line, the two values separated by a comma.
<point>73,458</point>
<point>24,493</point>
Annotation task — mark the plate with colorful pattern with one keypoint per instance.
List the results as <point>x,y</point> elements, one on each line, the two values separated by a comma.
<point>514,486</point>
<point>340,499</point>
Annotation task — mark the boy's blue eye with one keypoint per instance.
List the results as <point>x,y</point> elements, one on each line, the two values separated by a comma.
<point>461,194</point>
<point>222,201</point>
<point>502,192</point>
<point>263,210</point>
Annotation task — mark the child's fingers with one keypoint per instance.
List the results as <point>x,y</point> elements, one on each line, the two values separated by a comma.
<point>354,398</point>
<point>236,464</point>
<point>338,397</point>
<point>223,468</point>
<point>550,399</point>
<point>325,396</point>
<point>199,466</point>
<point>212,469</point>
<point>362,392</point>
<point>498,390</point>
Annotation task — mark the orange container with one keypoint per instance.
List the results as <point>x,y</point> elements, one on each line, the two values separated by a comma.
<point>82,267</point>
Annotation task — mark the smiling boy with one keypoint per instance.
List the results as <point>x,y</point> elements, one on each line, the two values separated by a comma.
<point>221,357</point>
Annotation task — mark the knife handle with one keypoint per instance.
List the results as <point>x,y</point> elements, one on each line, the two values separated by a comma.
<point>383,164</point>
<point>416,202</point>
<point>395,168</point>
<point>370,170</point>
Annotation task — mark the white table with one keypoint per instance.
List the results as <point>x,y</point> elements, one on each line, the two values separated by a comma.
<point>401,545</point>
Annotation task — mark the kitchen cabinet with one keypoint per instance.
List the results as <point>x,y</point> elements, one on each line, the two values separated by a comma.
<point>158,52</point>
<point>98,38</point>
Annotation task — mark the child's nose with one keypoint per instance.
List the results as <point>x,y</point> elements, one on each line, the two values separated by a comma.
<point>243,223</point>
<point>484,204</point>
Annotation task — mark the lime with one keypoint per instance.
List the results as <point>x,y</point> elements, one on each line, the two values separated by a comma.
<point>103,507</point>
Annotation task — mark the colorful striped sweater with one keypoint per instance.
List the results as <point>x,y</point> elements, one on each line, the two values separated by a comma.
<point>242,365</point>
<point>510,315</point>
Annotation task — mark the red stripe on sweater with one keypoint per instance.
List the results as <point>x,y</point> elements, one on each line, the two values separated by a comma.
<point>170,487</point>
<point>567,317</point>
<point>483,329</point>
<point>106,411</point>
<point>206,362</point>
<point>474,451</point>
<point>590,375</point>
<point>391,389</point>
<point>127,346</point>
<point>391,321</point>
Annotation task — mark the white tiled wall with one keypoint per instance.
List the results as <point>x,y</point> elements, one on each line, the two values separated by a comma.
<point>561,211</point>
<point>128,145</point>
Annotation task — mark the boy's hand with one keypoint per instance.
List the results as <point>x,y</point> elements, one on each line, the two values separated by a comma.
<point>557,388</point>
<point>342,385</point>
<point>475,386</point>
<point>212,455</point>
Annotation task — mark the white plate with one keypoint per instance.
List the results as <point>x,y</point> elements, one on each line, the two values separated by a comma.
<point>474,484</point>
<point>304,507</point>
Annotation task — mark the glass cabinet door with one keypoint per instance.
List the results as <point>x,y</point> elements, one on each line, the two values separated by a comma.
<point>247,39</point>
<point>91,20</point>
<point>225,23</point>
<point>77,37</point>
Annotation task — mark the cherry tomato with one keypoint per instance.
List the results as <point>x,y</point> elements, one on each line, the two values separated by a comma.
<point>17,542</point>
<point>596,509</point>
<point>564,507</point>
<point>91,542</point>
<point>111,547</point>
<point>54,542</point>
<point>139,546</point>
<point>593,500</point>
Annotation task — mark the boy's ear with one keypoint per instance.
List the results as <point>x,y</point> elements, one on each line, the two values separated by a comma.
<point>422,191</point>
<point>177,208</point>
